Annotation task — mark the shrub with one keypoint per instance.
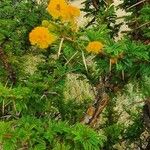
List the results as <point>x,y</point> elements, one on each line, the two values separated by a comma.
<point>35,112</point>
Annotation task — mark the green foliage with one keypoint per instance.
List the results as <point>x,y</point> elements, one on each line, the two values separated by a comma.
<point>87,138</point>
<point>98,34</point>
<point>117,130</point>
<point>103,13</point>
<point>144,19</point>
<point>138,18</point>
<point>32,133</point>
<point>15,23</point>
<point>135,129</point>
<point>35,113</point>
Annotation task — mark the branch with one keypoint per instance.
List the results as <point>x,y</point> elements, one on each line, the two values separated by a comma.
<point>100,102</point>
<point>90,23</point>
<point>127,31</point>
<point>95,4</point>
<point>142,25</point>
<point>136,4</point>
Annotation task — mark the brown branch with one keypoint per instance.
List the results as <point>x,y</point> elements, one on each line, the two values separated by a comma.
<point>101,101</point>
<point>104,88</point>
<point>90,23</point>
<point>102,104</point>
<point>7,66</point>
<point>95,3</point>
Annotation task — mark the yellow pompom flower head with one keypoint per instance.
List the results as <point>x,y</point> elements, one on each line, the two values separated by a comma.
<point>56,8</point>
<point>41,37</point>
<point>95,47</point>
<point>61,9</point>
<point>71,13</point>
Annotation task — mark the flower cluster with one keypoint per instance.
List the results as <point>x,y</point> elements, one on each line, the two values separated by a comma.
<point>95,47</point>
<point>58,9</point>
<point>41,37</point>
<point>61,9</point>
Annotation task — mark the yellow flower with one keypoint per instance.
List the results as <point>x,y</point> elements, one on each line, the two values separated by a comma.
<point>41,37</point>
<point>95,47</point>
<point>60,9</point>
<point>56,8</point>
<point>71,13</point>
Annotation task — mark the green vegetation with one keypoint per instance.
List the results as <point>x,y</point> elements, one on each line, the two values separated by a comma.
<point>109,82</point>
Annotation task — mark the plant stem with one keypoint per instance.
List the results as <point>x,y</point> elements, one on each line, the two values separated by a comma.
<point>60,47</point>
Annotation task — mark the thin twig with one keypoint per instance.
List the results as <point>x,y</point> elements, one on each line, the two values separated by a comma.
<point>14,104</point>
<point>90,23</point>
<point>123,77</point>
<point>3,107</point>
<point>6,116</point>
<point>136,4</point>
<point>60,46</point>
<point>127,31</point>
<point>69,39</point>
<point>6,83</point>
<point>71,58</point>
<point>84,61</point>
<point>121,17</point>
<point>142,25</point>
<point>42,96</point>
